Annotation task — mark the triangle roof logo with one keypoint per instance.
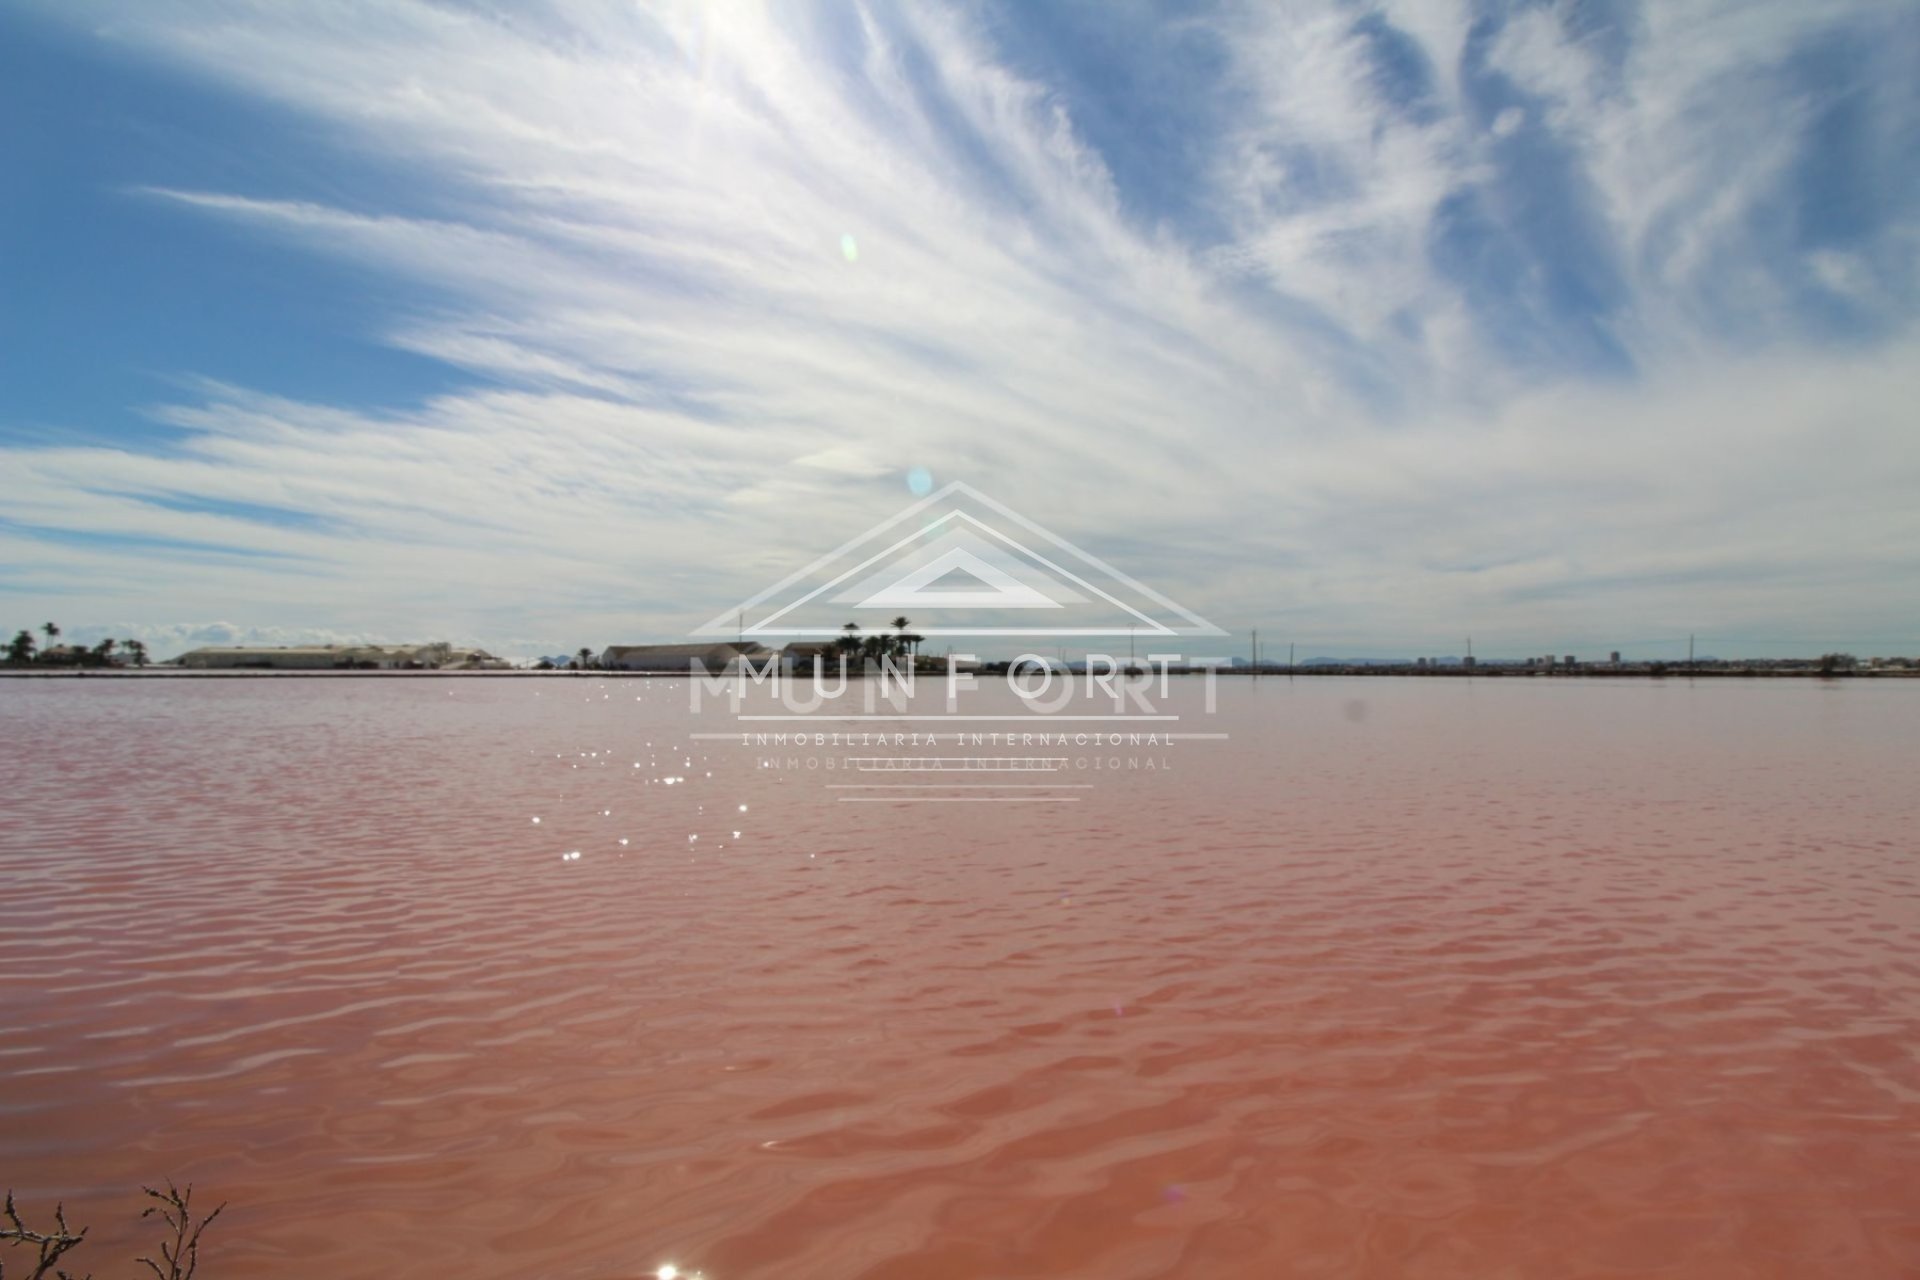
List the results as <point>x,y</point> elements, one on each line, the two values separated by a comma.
<point>964,565</point>
<point>990,586</point>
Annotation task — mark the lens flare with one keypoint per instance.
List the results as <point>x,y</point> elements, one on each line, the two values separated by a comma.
<point>920,481</point>
<point>849,249</point>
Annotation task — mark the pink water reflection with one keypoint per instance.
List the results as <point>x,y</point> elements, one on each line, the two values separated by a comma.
<point>1404,978</point>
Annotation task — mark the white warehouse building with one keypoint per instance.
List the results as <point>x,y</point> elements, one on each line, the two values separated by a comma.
<point>716,657</point>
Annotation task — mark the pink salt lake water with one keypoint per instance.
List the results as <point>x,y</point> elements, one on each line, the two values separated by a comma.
<point>1449,978</point>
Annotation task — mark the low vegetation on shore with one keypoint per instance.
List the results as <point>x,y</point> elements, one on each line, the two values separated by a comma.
<point>25,651</point>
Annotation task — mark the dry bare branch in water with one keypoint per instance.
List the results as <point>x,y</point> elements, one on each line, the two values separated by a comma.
<point>180,1253</point>
<point>51,1247</point>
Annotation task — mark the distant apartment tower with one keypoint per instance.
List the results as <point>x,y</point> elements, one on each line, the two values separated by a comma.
<point>1614,657</point>
<point>1570,660</point>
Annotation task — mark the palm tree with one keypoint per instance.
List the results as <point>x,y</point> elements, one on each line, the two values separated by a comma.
<point>583,659</point>
<point>53,632</point>
<point>20,651</point>
<point>849,642</point>
<point>138,649</point>
<point>103,652</point>
<point>900,625</point>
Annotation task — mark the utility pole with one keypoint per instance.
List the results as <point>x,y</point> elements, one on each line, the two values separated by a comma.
<point>1689,655</point>
<point>1289,658</point>
<point>1256,651</point>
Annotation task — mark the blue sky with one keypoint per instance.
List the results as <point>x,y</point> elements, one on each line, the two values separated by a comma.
<point>1569,325</point>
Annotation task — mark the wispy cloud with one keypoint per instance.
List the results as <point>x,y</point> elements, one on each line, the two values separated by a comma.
<point>1525,323</point>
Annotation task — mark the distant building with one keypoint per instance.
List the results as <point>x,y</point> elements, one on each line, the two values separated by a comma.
<point>473,660</point>
<point>1570,660</point>
<point>1614,657</point>
<point>321,657</point>
<point>801,654</point>
<point>715,657</point>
